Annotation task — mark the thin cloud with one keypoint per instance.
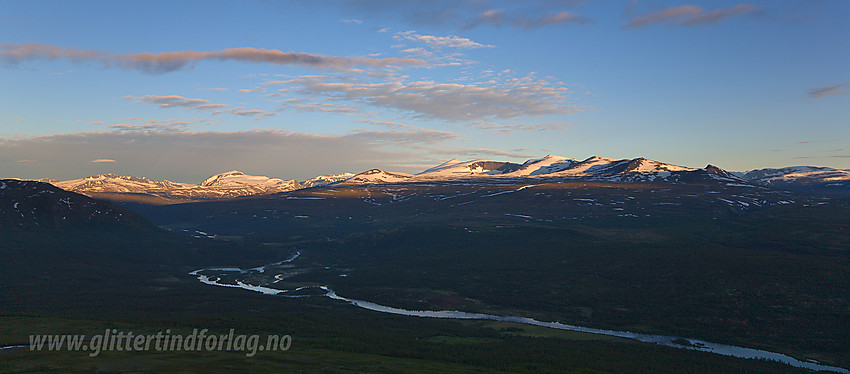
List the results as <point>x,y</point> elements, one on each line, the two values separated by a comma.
<point>391,137</point>
<point>102,160</point>
<point>178,125</point>
<point>513,98</point>
<point>474,152</point>
<point>499,17</point>
<point>171,101</point>
<point>390,124</point>
<point>193,156</point>
<point>158,63</point>
<point>821,92</point>
<point>26,161</point>
<point>143,127</point>
<point>301,107</point>
<point>131,127</point>
<point>176,101</point>
<point>434,41</point>
<point>472,13</point>
<point>507,129</point>
<point>690,15</point>
<point>210,106</point>
<point>256,113</point>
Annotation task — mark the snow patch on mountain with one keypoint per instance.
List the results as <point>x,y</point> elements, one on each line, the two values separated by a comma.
<point>810,179</point>
<point>236,179</point>
<point>454,169</point>
<point>798,173</point>
<point>225,185</point>
<point>377,176</point>
<point>546,165</point>
<point>326,179</point>
<point>114,183</point>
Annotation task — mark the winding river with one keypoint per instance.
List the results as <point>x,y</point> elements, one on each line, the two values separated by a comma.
<point>670,341</point>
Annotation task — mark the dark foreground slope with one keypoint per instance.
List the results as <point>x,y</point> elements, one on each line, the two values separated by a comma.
<point>93,275</point>
<point>729,262</point>
<point>57,245</point>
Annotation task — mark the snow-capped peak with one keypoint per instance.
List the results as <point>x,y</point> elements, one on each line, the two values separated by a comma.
<point>642,165</point>
<point>454,168</point>
<point>591,165</point>
<point>376,176</point>
<point>789,172</point>
<point>545,165</point>
<point>224,185</point>
<point>114,183</point>
<point>216,179</point>
<point>447,164</point>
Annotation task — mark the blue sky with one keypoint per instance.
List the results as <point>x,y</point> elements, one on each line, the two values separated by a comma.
<point>181,90</point>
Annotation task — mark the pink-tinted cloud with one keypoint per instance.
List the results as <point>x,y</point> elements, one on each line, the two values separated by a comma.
<point>157,63</point>
<point>471,13</point>
<point>498,17</point>
<point>690,15</point>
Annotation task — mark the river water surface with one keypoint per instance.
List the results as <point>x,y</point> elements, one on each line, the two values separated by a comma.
<point>670,341</point>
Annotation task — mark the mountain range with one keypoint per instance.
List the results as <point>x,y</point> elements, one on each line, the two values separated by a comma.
<point>234,183</point>
<point>629,244</point>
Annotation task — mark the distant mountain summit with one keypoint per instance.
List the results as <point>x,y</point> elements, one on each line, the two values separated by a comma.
<point>546,165</point>
<point>811,179</point>
<point>456,168</point>
<point>224,185</point>
<point>116,183</point>
<point>234,183</point>
<point>376,176</point>
<point>236,180</point>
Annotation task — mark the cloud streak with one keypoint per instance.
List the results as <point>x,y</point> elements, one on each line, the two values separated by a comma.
<point>178,125</point>
<point>690,15</point>
<point>450,41</point>
<point>507,129</point>
<point>193,156</point>
<point>171,101</point>
<point>473,13</point>
<point>474,152</point>
<point>518,97</point>
<point>821,92</point>
<point>499,17</point>
<point>176,101</point>
<point>395,137</point>
<point>159,63</point>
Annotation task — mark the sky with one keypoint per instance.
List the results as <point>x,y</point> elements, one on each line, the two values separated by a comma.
<point>181,90</point>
